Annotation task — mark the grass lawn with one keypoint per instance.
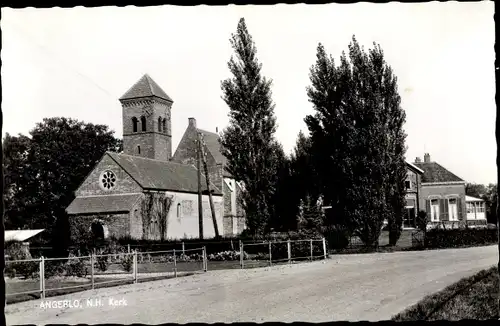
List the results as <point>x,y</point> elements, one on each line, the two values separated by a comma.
<point>34,285</point>
<point>473,297</point>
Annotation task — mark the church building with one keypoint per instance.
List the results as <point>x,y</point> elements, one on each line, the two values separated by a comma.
<point>145,192</point>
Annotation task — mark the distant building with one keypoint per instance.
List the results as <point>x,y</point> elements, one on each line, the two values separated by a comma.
<point>442,195</point>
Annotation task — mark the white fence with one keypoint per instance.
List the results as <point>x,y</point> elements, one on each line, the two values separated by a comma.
<point>56,275</point>
<point>279,252</point>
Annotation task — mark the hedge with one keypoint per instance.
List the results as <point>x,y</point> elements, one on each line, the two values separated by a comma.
<point>456,238</point>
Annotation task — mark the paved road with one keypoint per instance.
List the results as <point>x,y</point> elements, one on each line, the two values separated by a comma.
<point>345,287</point>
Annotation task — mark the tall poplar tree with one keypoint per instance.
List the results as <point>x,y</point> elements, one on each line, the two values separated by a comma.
<point>248,142</point>
<point>358,140</point>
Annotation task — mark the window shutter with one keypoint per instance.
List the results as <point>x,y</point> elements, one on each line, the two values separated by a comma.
<point>459,208</point>
<point>442,215</point>
<point>446,213</point>
<point>428,207</point>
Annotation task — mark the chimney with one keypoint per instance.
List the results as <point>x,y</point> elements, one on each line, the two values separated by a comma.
<point>216,130</point>
<point>192,122</point>
<point>427,158</point>
<point>418,160</point>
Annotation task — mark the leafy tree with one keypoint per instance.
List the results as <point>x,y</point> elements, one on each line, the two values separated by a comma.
<point>358,140</point>
<point>310,217</point>
<point>476,190</point>
<point>42,172</point>
<point>303,172</point>
<point>491,202</point>
<point>248,142</point>
<point>16,177</point>
<point>283,211</point>
<point>488,194</point>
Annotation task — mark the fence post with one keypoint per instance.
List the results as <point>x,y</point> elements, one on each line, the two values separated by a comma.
<point>183,248</point>
<point>324,247</point>
<point>205,260</point>
<point>270,255</point>
<point>128,247</point>
<point>92,269</point>
<point>311,249</point>
<point>241,254</point>
<point>175,264</point>
<point>134,263</point>
<point>289,245</point>
<point>42,277</point>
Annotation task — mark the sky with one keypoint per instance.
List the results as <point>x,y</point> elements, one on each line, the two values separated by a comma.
<point>77,62</point>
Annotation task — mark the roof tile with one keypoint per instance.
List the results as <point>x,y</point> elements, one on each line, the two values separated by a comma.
<point>433,172</point>
<point>145,87</point>
<point>162,175</point>
<point>102,204</point>
<point>213,145</point>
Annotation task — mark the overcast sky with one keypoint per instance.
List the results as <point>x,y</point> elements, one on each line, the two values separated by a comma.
<point>78,62</point>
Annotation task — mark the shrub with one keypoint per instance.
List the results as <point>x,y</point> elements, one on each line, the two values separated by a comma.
<point>17,251</point>
<point>102,263</point>
<point>227,256</point>
<point>76,267</point>
<point>452,238</point>
<point>54,268</point>
<point>337,237</point>
<point>127,262</point>
<point>422,220</point>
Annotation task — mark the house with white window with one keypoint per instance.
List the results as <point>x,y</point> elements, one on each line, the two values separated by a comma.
<point>442,194</point>
<point>476,209</point>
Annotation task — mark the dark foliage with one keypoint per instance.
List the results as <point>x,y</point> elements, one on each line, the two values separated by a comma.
<point>358,141</point>
<point>455,238</point>
<point>254,156</point>
<point>43,170</point>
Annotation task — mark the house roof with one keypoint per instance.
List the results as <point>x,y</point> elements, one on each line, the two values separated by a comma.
<point>419,170</point>
<point>213,145</point>
<point>21,235</point>
<point>162,175</point>
<point>102,204</point>
<point>145,87</point>
<point>470,199</point>
<point>434,172</point>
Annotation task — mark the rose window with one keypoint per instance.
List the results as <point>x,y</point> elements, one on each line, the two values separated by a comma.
<point>108,180</point>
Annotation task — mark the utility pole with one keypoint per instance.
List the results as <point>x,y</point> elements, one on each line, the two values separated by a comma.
<point>207,177</point>
<point>198,165</point>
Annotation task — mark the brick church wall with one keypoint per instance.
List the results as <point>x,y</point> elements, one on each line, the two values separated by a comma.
<point>153,144</point>
<point>118,225</point>
<point>91,185</point>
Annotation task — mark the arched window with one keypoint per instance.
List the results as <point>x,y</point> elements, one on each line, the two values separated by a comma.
<point>164,124</point>
<point>159,124</point>
<point>143,123</point>
<point>138,149</point>
<point>134,124</point>
<point>179,210</point>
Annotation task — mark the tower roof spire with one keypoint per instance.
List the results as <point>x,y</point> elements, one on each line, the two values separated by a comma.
<point>145,87</point>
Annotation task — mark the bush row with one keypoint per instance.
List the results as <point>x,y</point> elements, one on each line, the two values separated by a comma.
<point>438,238</point>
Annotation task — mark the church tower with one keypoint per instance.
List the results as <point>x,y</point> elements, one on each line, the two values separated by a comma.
<point>146,121</point>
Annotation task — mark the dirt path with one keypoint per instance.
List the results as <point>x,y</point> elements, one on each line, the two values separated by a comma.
<point>346,287</point>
